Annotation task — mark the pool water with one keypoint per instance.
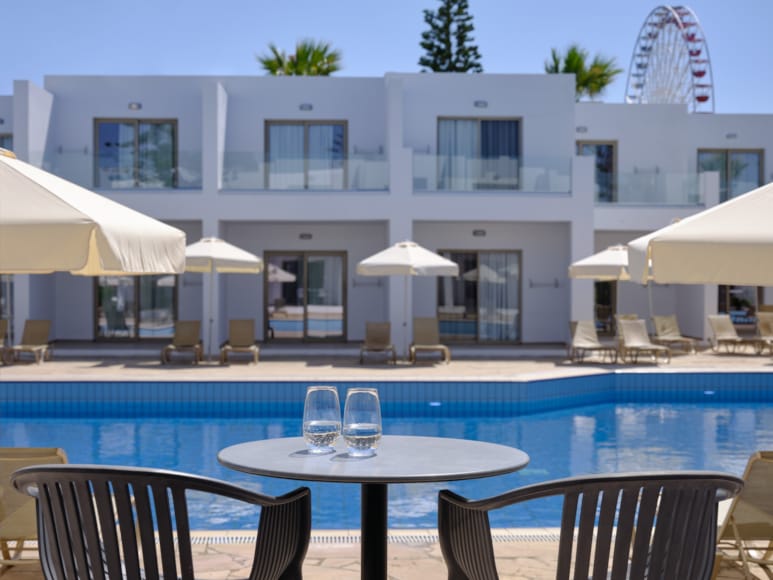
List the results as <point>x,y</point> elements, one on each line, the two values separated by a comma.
<point>592,439</point>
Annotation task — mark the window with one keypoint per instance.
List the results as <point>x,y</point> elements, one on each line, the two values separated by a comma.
<point>740,171</point>
<point>306,155</point>
<point>605,173</point>
<point>482,304</point>
<point>135,307</point>
<point>135,154</point>
<point>741,303</point>
<point>6,142</point>
<point>478,154</point>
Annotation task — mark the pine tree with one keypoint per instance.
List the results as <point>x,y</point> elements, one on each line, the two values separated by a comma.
<point>447,43</point>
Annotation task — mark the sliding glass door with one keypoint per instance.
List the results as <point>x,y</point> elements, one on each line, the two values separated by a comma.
<point>483,303</point>
<point>135,307</point>
<point>305,296</point>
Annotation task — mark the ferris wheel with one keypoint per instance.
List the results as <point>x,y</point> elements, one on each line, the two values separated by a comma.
<point>670,61</point>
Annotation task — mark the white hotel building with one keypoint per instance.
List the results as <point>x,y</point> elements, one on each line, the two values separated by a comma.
<point>505,174</point>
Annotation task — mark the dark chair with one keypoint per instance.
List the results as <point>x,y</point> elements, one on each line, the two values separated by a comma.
<point>634,525</point>
<point>89,516</point>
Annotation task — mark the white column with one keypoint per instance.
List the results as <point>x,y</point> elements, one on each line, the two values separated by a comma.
<point>582,236</point>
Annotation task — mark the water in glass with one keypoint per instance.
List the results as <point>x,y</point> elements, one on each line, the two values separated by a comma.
<point>362,421</point>
<point>321,419</point>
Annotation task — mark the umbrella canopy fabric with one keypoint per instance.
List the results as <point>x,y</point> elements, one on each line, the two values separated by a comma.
<point>484,274</point>
<point>607,265</point>
<point>216,255</point>
<point>407,259</point>
<point>48,224</point>
<point>730,243</point>
<point>277,274</point>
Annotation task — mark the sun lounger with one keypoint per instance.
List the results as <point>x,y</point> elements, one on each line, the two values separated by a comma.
<point>187,335</point>
<point>241,338</point>
<point>765,329</point>
<point>3,334</point>
<point>378,338</point>
<point>724,334</point>
<point>635,341</point>
<point>584,340</point>
<point>745,536</point>
<point>34,341</point>
<point>18,525</point>
<point>667,333</point>
<point>426,338</point>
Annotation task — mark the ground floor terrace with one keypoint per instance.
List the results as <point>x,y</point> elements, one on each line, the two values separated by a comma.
<point>413,554</point>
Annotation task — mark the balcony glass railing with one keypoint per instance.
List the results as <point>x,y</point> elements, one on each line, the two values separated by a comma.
<point>358,172</point>
<point>650,188</point>
<point>444,173</point>
<point>152,173</point>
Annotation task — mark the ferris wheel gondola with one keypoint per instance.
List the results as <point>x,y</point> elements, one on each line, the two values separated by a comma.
<point>670,61</point>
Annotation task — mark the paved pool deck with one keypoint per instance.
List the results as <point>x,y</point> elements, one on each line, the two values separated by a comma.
<point>413,554</point>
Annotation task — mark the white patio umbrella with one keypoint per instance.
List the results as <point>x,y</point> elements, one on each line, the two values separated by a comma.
<point>48,224</point>
<point>407,259</point>
<point>730,243</point>
<point>210,255</point>
<point>608,265</point>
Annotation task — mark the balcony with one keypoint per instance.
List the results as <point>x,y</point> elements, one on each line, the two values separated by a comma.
<point>358,172</point>
<point>433,173</point>
<point>78,166</point>
<point>649,188</point>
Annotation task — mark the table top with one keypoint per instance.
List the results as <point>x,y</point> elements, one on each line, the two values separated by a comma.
<point>398,459</point>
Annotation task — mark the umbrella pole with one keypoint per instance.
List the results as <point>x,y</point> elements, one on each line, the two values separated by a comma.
<point>211,290</point>
<point>649,298</point>
<point>405,318</point>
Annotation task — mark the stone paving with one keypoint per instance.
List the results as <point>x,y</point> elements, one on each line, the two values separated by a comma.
<point>418,557</point>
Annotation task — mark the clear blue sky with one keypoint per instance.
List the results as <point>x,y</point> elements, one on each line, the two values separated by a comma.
<point>197,37</point>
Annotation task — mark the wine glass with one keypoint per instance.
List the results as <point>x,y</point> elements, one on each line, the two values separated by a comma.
<point>362,421</point>
<point>321,418</point>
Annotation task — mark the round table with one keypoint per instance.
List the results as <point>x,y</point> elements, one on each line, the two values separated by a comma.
<point>398,459</point>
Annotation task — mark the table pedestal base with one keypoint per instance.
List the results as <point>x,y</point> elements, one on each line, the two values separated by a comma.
<point>373,552</point>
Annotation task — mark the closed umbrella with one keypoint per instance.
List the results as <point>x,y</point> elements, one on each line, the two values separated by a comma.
<point>210,255</point>
<point>407,259</point>
<point>730,243</point>
<point>48,224</point>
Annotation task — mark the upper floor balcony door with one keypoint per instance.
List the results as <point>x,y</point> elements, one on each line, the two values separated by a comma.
<point>135,154</point>
<point>478,154</point>
<point>306,155</point>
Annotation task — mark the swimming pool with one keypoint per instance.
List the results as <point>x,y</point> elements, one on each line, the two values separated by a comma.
<point>568,426</point>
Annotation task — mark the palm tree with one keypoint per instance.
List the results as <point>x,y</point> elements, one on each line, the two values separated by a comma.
<point>591,80</point>
<point>311,58</point>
